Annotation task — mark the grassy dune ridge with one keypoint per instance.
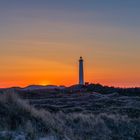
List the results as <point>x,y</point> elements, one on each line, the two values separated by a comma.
<point>19,120</point>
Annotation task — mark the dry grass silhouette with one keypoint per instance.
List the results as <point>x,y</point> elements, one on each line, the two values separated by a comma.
<point>19,120</point>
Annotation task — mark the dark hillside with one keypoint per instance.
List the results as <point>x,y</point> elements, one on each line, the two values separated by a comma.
<point>70,117</point>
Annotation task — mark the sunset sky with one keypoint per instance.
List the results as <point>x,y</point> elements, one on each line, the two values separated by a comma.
<point>42,40</point>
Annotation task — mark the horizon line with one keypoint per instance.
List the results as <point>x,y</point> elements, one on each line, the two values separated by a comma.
<point>104,85</point>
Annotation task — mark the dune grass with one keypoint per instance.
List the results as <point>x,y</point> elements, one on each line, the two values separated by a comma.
<point>18,118</point>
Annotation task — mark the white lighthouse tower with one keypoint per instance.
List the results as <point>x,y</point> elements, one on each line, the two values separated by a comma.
<point>81,71</point>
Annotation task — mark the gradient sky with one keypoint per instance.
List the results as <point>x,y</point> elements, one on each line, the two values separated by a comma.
<point>42,40</point>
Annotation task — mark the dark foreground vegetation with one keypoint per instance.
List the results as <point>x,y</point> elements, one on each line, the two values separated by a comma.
<point>70,116</point>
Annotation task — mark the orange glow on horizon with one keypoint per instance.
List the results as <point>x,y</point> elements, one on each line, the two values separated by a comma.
<point>55,73</point>
<point>71,81</point>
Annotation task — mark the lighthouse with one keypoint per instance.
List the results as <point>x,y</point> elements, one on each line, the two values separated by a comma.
<point>81,72</point>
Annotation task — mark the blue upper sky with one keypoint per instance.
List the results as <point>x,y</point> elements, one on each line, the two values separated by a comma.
<point>123,13</point>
